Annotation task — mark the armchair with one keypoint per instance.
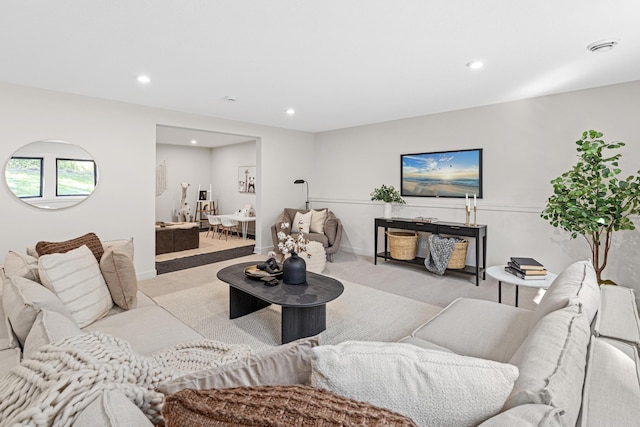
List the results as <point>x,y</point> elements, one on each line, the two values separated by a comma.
<point>328,232</point>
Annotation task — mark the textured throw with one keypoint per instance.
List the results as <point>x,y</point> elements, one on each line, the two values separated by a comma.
<point>63,378</point>
<point>440,249</point>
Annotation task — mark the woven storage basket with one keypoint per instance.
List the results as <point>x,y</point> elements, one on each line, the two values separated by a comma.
<point>458,257</point>
<point>402,245</point>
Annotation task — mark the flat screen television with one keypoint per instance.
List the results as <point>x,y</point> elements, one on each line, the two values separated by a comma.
<point>442,174</point>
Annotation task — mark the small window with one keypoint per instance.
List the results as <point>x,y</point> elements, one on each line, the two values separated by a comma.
<point>75,177</point>
<point>24,176</point>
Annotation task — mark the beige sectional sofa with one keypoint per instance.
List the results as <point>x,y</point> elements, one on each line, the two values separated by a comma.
<point>571,361</point>
<point>32,315</point>
<point>576,353</point>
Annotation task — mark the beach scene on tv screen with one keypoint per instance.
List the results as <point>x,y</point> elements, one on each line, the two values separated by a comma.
<point>443,174</point>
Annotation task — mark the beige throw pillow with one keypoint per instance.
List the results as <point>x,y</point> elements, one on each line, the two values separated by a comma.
<point>17,264</point>
<point>76,279</point>
<point>301,222</point>
<point>124,244</point>
<point>112,408</point>
<point>48,327</point>
<point>120,275</point>
<point>552,363</point>
<point>7,339</point>
<point>429,386</point>
<point>282,365</point>
<point>577,284</point>
<point>23,299</point>
<point>317,221</point>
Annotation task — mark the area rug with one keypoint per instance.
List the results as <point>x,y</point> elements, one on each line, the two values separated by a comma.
<point>202,259</point>
<point>360,313</point>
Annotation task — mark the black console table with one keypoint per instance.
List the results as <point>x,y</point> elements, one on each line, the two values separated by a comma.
<point>478,232</point>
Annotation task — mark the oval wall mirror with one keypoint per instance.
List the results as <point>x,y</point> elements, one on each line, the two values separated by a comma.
<point>51,174</point>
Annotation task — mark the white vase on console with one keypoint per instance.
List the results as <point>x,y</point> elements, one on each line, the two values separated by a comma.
<point>388,208</point>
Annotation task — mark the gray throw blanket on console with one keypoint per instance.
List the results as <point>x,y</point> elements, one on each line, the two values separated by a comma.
<point>440,249</point>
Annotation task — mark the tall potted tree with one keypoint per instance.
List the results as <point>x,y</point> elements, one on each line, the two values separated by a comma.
<point>591,201</point>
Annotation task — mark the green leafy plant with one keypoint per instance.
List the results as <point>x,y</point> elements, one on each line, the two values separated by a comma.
<point>387,195</point>
<point>591,201</point>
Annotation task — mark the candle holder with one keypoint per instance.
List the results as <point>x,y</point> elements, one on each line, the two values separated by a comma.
<point>475,210</point>
<point>468,213</point>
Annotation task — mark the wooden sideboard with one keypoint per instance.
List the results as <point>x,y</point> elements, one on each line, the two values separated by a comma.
<point>478,233</point>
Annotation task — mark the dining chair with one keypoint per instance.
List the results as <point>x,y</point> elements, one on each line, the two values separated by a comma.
<point>228,225</point>
<point>214,224</point>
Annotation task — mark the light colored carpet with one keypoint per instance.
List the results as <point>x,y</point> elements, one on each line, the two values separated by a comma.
<point>208,244</point>
<point>402,290</point>
<point>360,313</point>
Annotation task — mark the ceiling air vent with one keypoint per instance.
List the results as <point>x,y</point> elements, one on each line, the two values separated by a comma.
<point>602,45</point>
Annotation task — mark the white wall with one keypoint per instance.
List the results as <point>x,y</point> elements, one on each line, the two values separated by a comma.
<point>526,144</point>
<point>184,164</point>
<point>224,172</point>
<point>122,139</point>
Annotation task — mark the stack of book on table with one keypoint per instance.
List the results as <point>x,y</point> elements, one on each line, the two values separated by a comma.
<point>526,268</point>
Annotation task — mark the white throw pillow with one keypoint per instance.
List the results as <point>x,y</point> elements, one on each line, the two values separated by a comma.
<point>317,221</point>
<point>76,279</point>
<point>301,222</point>
<point>429,386</point>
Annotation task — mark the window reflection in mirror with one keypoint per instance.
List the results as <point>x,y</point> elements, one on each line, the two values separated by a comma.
<point>51,174</point>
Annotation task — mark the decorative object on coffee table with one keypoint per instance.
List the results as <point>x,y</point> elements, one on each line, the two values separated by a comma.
<point>294,267</point>
<point>294,270</point>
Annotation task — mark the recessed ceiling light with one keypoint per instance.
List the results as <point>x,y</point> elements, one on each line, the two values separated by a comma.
<point>290,111</point>
<point>144,79</point>
<point>475,65</point>
<point>602,45</point>
<point>193,141</point>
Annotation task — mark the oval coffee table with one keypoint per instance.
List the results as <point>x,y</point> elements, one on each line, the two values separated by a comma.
<point>498,273</point>
<point>303,306</point>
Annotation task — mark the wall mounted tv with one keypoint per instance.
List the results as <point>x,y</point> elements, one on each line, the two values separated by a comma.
<point>442,174</point>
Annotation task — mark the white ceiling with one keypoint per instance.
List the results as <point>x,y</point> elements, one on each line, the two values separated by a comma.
<point>172,135</point>
<point>339,63</point>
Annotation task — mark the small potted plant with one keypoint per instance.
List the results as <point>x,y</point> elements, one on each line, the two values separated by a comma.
<point>388,195</point>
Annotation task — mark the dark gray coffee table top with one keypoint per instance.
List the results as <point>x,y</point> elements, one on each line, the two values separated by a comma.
<point>318,289</point>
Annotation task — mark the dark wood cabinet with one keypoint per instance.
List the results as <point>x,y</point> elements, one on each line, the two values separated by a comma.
<point>478,233</point>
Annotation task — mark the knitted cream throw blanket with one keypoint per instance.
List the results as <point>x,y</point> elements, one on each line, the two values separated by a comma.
<point>63,378</point>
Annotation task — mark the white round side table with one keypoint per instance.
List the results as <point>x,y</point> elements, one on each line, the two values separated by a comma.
<point>498,273</point>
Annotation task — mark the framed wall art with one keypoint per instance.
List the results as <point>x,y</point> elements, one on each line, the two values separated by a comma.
<point>247,179</point>
<point>442,174</point>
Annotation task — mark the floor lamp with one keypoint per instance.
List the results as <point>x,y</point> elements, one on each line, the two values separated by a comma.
<point>302,181</point>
